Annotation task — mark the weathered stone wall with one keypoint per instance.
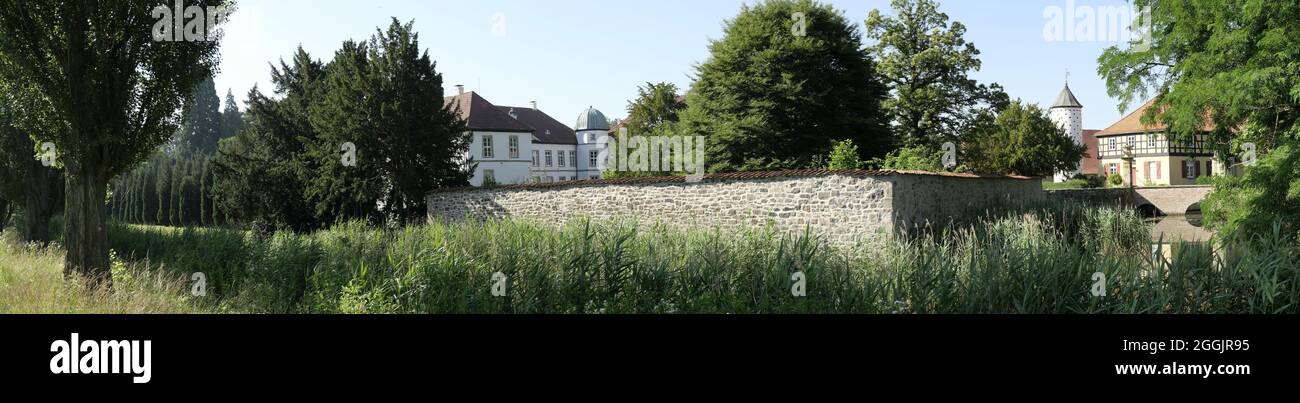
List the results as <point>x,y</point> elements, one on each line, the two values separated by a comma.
<point>843,209</point>
<point>937,200</point>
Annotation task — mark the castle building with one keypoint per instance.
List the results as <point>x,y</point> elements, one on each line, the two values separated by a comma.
<point>1144,155</point>
<point>513,145</point>
<point>1067,113</point>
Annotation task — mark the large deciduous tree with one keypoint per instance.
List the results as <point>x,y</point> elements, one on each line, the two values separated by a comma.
<point>926,61</point>
<point>1021,140</point>
<point>118,89</point>
<point>788,78</point>
<point>656,107</point>
<point>25,179</point>
<point>1232,67</point>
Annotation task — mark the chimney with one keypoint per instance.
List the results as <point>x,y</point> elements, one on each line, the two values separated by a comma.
<point>460,89</point>
<point>534,104</point>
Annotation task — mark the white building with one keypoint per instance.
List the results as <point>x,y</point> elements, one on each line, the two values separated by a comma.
<point>513,144</point>
<point>1067,113</point>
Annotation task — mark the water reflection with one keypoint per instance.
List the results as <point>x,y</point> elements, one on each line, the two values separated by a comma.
<point>1175,228</point>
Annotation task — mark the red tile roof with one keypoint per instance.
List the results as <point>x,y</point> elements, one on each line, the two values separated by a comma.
<point>481,115</point>
<point>1132,123</point>
<point>545,128</point>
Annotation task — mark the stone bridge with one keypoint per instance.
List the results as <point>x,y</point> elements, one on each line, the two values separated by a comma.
<point>1159,200</point>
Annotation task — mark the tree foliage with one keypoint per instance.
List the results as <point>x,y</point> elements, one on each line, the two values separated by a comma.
<point>1230,69</point>
<point>656,105</point>
<point>382,99</point>
<point>201,128</point>
<point>845,156</point>
<point>787,79</point>
<point>926,61</point>
<point>1021,140</point>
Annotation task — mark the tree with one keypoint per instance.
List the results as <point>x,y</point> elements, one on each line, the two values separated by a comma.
<point>202,127</point>
<point>926,61</point>
<point>257,170</point>
<point>117,89</point>
<point>1021,140</point>
<point>25,180</point>
<point>232,121</point>
<point>1227,70</point>
<point>656,105</point>
<point>845,156</point>
<point>385,97</point>
<point>787,79</point>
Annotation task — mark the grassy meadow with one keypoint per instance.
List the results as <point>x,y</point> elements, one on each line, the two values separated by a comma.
<point>1031,260</point>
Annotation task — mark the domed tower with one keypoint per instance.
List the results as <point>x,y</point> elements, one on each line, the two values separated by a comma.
<point>1067,113</point>
<point>590,128</point>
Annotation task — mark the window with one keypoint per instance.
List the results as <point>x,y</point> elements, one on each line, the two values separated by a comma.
<point>591,159</point>
<point>1112,168</point>
<point>561,158</point>
<point>535,159</point>
<point>550,179</point>
<point>1209,168</point>
<point>573,159</point>
<point>548,158</point>
<point>1153,170</point>
<point>595,177</point>
<point>1189,169</point>
<point>514,147</point>
<point>1151,141</point>
<point>489,176</point>
<point>564,178</point>
<point>487,147</point>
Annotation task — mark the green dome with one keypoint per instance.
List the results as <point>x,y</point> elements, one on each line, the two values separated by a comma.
<point>592,119</point>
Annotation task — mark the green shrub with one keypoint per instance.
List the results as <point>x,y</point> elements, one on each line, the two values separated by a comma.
<point>1115,180</point>
<point>844,156</point>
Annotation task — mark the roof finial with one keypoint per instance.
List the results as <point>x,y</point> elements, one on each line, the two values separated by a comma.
<point>1067,77</point>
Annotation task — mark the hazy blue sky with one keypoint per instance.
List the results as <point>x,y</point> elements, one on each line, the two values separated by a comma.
<point>569,54</point>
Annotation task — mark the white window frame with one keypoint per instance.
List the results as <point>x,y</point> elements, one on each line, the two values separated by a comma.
<point>549,161</point>
<point>487,147</point>
<point>489,174</point>
<point>514,147</point>
<point>536,159</point>
<point>591,159</point>
<point>560,163</point>
<point>573,158</point>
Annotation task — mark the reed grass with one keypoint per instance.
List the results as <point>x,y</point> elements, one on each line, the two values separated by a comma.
<point>1017,260</point>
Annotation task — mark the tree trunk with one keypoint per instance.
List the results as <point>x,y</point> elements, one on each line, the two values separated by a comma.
<point>4,214</point>
<point>84,235</point>
<point>43,196</point>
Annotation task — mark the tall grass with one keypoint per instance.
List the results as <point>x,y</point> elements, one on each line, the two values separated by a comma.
<point>31,281</point>
<point>1023,260</point>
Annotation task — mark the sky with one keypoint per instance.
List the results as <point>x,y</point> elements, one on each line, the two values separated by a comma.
<point>571,54</point>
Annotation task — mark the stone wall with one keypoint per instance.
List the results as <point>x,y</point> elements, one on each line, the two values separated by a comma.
<point>936,200</point>
<point>844,207</point>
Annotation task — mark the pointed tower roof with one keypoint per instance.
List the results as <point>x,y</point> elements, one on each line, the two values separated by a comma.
<point>1066,99</point>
